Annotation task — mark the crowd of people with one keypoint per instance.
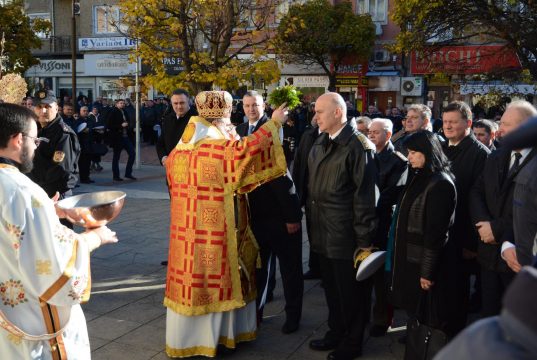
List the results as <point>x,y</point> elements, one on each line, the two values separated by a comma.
<point>450,201</point>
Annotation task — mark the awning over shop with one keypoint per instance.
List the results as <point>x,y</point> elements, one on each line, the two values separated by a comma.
<point>484,88</point>
<point>382,73</point>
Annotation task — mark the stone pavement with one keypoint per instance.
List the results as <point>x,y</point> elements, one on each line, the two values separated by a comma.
<point>125,315</point>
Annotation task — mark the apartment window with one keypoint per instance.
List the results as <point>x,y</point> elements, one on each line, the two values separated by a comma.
<point>43,16</point>
<point>283,8</point>
<point>378,9</point>
<point>106,20</point>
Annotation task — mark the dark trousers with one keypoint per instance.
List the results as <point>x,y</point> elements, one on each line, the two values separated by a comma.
<point>348,303</point>
<point>382,309</point>
<point>126,144</point>
<point>274,240</point>
<point>84,163</point>
<point>313,260</point>
<point>493,285</point>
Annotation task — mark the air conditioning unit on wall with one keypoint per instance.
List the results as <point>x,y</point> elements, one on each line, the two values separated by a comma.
<point>381,56</point>
<point>411,86</point>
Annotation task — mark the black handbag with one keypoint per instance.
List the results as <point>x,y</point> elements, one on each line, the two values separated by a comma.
<point>423,341</point>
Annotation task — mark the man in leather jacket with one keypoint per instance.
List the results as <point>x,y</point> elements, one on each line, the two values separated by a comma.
<point>341,206</point>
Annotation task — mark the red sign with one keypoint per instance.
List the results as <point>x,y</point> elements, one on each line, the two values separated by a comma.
<point>475,59</point>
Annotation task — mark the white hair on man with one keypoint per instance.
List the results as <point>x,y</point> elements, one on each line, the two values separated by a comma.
<point>525,108</point>
<point>363,120</point>
<point>387,124</point>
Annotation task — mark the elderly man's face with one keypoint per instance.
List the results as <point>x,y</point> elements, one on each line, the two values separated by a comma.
<point>414,121</point>
<point>378,135</point>
<point>84,111</point>
<point>511,120</point>
<point>68,110</point>
<point>328,115</point>
<point>362,127</point>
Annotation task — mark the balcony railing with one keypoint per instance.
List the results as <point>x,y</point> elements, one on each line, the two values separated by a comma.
<point>57,45</point>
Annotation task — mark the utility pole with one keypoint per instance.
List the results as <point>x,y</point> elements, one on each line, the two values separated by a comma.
<point>73,50</point>
<point>137,104</point>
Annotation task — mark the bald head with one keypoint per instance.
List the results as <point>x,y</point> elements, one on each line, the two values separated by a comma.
<point>330,112</point>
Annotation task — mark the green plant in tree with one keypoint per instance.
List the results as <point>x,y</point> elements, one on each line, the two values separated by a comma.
<point>286,94</point>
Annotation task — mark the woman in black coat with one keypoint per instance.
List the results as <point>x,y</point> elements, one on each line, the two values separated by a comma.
<point>422,259</point>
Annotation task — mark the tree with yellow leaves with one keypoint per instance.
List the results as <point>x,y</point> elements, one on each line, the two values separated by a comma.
<point>209,36</point>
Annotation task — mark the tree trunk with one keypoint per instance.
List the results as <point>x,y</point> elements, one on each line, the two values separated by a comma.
<point>332,82</point>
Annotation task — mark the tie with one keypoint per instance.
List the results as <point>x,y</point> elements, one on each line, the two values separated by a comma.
<point>516,165</point>
<point>251,129</point>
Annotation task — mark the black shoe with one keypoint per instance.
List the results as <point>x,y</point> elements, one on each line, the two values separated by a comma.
<point>164,263</point>
<point>344,355</point>
<point>290,326</point>
<point>311,275</point>
<point>378,330</point>
<point>130,177</point>
<point>118,179</point>
<point>87,181</point>
<point>323,345</point>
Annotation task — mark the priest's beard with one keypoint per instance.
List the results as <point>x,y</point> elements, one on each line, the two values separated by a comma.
<point>26,163</point>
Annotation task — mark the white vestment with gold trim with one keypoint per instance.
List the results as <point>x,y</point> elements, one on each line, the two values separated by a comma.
<point>44,276</point>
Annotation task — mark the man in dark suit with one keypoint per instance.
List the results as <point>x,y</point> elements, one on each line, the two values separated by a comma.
<point>485,131</point>
<point>467,156</point>
<point>300,178</point>
<point>392,170</point>
<point>174,123</point>
<point>121,130</point>
<point>491,201</point>
<point>276,217</point>
<point>173,126</point>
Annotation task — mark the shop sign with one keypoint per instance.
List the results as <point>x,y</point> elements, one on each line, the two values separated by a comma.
<point>350,66</point>
<point>475,59</point>
<point>54,68</point>
<point>106,43</point>
<point>108,65</point>
<point>310,81</point>
<point>347,81</point>
<point>173,65</point>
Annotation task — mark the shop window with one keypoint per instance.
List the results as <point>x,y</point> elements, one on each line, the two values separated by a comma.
<point>107,20</point>
<point>378,9</point>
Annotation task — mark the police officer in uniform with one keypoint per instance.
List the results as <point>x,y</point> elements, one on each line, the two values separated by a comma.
<point>56,161</point>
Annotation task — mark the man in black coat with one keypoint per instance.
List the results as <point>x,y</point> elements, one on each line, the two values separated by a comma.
<point>174,123</point>
<point>55,161</point>
<point>300,177</point>
<point>341,207</point>
<point>491,201</point>
<point>121,130</point>
<point>276,217</point>
<point>392,173</point>
<point>467,156</point>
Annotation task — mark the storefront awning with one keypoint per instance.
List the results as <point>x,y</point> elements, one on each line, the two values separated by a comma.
<point>382,73</point>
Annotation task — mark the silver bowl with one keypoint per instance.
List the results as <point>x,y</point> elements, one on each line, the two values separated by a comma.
<point>93,209</point>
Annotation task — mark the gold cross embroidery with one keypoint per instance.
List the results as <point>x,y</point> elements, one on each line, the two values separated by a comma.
<point>43,267</point>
